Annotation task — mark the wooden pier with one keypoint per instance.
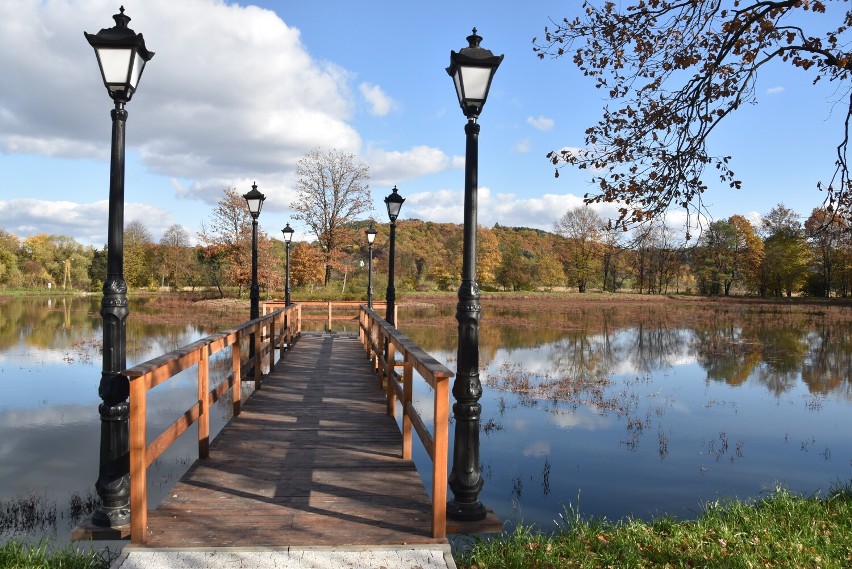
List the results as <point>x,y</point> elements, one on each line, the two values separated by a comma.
<point>313,459</point>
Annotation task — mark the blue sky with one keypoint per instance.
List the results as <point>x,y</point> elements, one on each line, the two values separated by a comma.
<point>238,91</point>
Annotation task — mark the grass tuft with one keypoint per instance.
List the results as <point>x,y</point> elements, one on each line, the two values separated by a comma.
<point>16,554</point>
<point>778,530</point>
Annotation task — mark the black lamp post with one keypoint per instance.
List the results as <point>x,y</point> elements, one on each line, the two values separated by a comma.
<point>254,199</point>
<point>394,204</point>
<point>288,237</point>
<point>371,237</point>
<point>472,70</point>
<point>121,57</point>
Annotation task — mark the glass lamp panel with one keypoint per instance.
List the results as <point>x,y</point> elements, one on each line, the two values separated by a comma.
<point>254,205</point>
<point>136,70</point>
<point>393,208</point>
<point>475,82</point>
<point>459,89</point>
<point>288,233</point>
<point>115,64</point>
<point>371,236</point>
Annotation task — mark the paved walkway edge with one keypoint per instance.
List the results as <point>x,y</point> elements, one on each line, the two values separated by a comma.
<point>349,557</point>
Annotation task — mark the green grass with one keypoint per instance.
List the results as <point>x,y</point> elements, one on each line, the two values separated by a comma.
<point>779,530</point>
<point>16,554</point>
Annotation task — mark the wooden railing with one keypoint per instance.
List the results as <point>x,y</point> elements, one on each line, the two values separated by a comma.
<point>383,343</point>
<point>330,310</point>
<point>282,325</point>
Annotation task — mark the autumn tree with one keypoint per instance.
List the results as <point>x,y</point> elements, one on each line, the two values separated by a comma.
<point>549,271</point>
<point>226,239</point>
<point>333,191</point>
<point>516,270</point>
<point>307,266</point>
<point>488,255</point>
<point>176,257</point>
<point>657,259</point>
<point>138,266</point>
<point>785,252</point>
<point>713,258</point>
<point>827,236</point>
<point>10,272</point>
<point>672,71</point>
<point>581,228</point>
<point>54,259</point>
<point>748,252</point>
<point>611,258</point>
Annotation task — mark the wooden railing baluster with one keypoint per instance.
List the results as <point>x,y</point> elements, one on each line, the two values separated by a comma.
<point>158,370</point>
<point>377,333</point>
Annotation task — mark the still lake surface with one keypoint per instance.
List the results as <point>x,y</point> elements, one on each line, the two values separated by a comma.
<point>613,419</point>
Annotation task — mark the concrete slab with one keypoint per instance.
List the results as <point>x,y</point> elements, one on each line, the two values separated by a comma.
<point>396,557</point>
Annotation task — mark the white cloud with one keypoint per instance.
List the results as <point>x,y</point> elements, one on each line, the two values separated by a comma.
<point>87,222</point>
<point>236,92</point>
<point>523,146</point>
<point>538,212</point>
<point>541,123</point>
<point>392,167</point>
<point>775,90</point>
<point>380,103</point>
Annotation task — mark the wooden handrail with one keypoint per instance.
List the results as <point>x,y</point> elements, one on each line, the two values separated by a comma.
<point>331,309</point>
<point>383,342</point>
<point>147,375</point>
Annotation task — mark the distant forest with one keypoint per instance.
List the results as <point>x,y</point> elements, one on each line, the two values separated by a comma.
<point>778,256</point>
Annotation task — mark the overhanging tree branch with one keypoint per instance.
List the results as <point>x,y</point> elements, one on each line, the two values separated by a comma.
<point>675,70</point>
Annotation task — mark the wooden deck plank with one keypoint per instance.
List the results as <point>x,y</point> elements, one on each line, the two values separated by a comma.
<point>312,460</point>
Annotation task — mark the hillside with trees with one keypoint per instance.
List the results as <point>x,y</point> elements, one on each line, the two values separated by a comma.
<point>780,256</point>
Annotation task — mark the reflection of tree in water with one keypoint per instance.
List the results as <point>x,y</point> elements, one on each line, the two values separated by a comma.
<point>654,346</point>
<point>784,353</point>
<point>732,340</point>
<point>777,355</point>
<point>44,321</point>
<point>582,358</point>
<point>829,361</point>
<point>725,354</point>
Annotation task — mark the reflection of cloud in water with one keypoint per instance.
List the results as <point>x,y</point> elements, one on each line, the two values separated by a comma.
<point>530,360</point>
<point>53,415</point>
<point>519,425</point>
<point>678,406</point>
<point>578,419</point>
<point>537,449</point>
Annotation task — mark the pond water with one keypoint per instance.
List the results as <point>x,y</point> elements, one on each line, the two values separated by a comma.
<point>50,367</point>
<point>637,419</point>
<point>611,418</point>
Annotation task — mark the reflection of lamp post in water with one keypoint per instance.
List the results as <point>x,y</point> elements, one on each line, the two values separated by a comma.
<point>472,70</point>
<point>121,57</point>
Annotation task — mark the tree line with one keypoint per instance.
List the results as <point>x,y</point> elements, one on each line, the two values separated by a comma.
<point>777,256</point>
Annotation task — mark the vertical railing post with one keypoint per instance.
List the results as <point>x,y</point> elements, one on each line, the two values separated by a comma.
<point>285,332</point>
<point>255,339</point>
<point>329,316</point>
<point>138,448</point>
<point>407,398</point>
<point>439,463</point>
<point>390,393</point>
<point>204,403</point>
<point>272,343</point>
<point>236,391</point>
